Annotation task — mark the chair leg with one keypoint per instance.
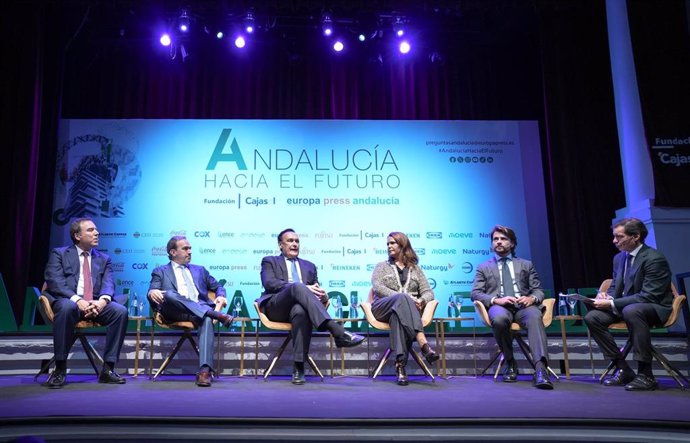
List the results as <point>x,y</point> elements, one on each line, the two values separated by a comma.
<point>279,352</point>
<point>422,365</point>
<point>672,371</point>
<point>315,368</point>
<point>491,363</point>
<point>382,362</point>
<point>45,367</point>
<point>180,342</point>
<point>625,350</point>
<point>528,355</point>
<point>501,359</point>
<point>94,357</point>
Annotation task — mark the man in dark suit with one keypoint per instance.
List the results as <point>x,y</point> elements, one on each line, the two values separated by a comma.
<point>510,289</point>
<point>179,290</point>
<point>641,296</point>
<point>79,283</point>
<point>292,294</point>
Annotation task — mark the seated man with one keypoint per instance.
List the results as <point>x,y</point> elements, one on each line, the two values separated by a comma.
<point>292,294</point>
<point>79,283</point>
<point>510,289</point>
<point>641,296</point>
<point>179,291</point>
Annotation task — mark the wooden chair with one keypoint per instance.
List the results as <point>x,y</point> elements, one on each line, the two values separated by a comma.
<point>427,318</point>
<point>186,327</point>
<point>280,326</point>
<point>80,330</point>
<point>678,300</point>
<point>547,318</point>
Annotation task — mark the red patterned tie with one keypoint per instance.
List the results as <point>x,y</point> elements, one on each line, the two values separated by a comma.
<point>88,283</point>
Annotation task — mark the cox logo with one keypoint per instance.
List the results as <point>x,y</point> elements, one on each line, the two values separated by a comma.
<point>140,265</point>
<point>434,235</point>
<point>205,234</point>
<point>336,283</point>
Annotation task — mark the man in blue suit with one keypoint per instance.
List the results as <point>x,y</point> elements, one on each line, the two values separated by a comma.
<point>79,283</point>
<point>292,294</point>
<point>510,289</point>
<point>179,290</point>
<point>641,296</point>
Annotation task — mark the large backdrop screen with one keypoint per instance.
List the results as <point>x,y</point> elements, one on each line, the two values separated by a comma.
<point>231,185</point>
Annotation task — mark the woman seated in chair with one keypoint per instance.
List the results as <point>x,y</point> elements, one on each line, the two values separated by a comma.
<point>401,291</point>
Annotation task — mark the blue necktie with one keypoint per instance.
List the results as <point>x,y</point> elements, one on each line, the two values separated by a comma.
<point>508,290</point>
<point>293,269</point>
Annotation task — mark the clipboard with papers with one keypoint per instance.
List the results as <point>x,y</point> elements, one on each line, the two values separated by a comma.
<point>578,297</point>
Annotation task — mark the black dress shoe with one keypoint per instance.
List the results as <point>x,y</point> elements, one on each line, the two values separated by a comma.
<point>56,380</point>
<point>349,340</point>
<point>429,354</point>
<point>541,379</point>
<point>203,378</point>
<point>510,373</point>
<point>298,377</point>
<point>401,375</point>
<point>642,382</point>
<point>620,378</point>
<point>110,377</point>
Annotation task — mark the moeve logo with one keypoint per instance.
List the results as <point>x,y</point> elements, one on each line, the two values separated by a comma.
<point>434,235</point>
<point>140,265</point>
<point>204,234</point>
<point>443,251</point>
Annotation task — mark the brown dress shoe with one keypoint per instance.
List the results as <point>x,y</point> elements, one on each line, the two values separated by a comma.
<point>203,378</point>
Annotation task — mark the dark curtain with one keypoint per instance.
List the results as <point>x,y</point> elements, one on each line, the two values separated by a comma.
<point>663,78</point>
<point>516,60</point>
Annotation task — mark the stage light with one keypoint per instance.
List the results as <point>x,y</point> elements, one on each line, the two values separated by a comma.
<point>165,40</point>
<point>249,22</point>
<point>240,42</point>
<point>184,22</point>
<point>404,47</point>
<point>361,37</point>
<point>219,35</point>
<point>399,26</point>
<point>327,24</point>
<point>338,46</point>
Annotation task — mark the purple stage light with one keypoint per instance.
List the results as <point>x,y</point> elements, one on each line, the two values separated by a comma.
<point>338,46</point>
<point>249,29</point>
<point>404,47</point>
<point>240,42</point>
<point>165,40</point>
<point>219,35</point>
<point>327,31</point>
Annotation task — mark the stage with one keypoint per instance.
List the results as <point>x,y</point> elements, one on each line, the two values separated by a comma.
<point>351,408</point>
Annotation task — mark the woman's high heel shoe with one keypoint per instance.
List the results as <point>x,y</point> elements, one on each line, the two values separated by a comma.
<point>429,354</point>
<point>401,374</point>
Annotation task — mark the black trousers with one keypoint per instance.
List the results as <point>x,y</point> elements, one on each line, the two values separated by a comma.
<point>639,317</point>
<point>297,305</point>
<point>400,312</point>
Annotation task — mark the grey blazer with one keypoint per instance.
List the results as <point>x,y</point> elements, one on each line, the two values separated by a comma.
<point>487,281</point>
